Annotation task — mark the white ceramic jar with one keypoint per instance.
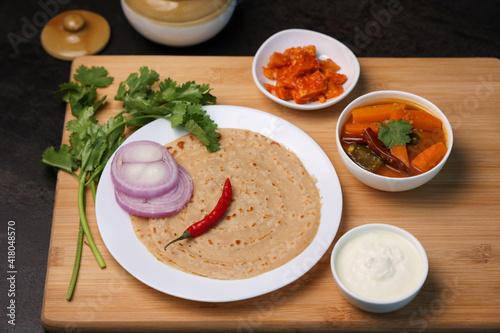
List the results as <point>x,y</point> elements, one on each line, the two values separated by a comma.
<point>178,23</point>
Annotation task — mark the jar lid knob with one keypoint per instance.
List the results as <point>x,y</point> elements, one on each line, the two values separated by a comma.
<point>73,22</point>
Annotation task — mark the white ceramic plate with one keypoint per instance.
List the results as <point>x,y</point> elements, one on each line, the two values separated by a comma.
<point>326,47</point>
<point>121,241</point>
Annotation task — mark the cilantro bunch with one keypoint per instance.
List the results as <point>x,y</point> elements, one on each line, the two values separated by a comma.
<point>92,144</point>
<point>180,104</point>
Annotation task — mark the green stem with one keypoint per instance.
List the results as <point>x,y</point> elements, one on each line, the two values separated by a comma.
<point>94,176</point>
<point>83,219</point>
<point>124,122</point>
<point>76,264</point>
<point>93,185</point>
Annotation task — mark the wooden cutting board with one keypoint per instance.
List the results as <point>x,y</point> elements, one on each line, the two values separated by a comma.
<point>455,216</point>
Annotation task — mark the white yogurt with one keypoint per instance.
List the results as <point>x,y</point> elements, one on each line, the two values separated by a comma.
<point>379,265</point>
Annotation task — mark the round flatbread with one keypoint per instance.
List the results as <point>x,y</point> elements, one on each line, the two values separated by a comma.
<point>274,214</point>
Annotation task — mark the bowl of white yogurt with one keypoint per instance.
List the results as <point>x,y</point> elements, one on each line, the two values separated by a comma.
<point>379,267</point>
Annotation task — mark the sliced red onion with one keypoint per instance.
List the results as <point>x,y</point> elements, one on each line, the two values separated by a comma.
<point>163,205</point>
<point>144,169</point>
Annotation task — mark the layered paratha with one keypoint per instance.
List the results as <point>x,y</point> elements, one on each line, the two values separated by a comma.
<point>274,214</point>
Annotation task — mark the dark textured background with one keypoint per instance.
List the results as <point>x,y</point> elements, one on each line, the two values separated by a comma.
<point>31,119</point>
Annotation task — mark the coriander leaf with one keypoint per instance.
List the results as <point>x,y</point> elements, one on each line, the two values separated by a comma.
<point>139,105</point>
<point>115,127</point>
<point>121,92</point>
<point>78,142</point>
<point>206,97</point>
<point>178,112</point>
<point>196,129</point>
<point>67,90</point>
<point>189,92</point>
<point>210,140</point>
<point>94,149</point>
<point>79,95</point>
<point>213,139</point>
<point>79,130</point>
<point>63,159</point>
<point>97,104</point>
<point>147,76</point>
<point>395,133</point>
<point>94,76</point>
<point>196,115</point>
<point>167,91</point>
<point>139,85</point>
<point>86,116</point>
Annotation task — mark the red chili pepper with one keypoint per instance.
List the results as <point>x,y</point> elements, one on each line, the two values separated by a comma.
<point>378,147</point>
<point>200,227</point>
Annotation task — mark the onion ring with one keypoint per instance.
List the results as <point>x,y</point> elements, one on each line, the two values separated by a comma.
<point>163,205</point>
<point>144,169</point>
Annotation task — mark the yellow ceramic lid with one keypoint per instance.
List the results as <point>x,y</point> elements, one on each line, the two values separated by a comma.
<point>75,33</point>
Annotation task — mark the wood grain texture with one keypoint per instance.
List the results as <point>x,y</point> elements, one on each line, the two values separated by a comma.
<point>455,216</point>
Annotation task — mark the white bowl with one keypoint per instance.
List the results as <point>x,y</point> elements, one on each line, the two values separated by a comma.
<point>326,47</point>
<point>419,268</point>
<point>384,183</point>
<point>177,34</point>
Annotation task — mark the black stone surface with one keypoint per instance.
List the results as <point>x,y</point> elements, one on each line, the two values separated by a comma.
<point>31,118</point>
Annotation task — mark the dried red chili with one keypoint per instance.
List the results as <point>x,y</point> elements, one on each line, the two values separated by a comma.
<point>200,227</point>
<point>378,147</point>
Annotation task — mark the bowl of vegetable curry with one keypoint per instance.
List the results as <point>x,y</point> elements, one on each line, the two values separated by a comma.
<point>393,140</point>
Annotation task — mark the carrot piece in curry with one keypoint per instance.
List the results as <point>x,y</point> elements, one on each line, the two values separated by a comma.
<point>430,157</point>
<point>401,153</point>
<point>424,121</point>
<point>357,128</point>
<point>375,113</point>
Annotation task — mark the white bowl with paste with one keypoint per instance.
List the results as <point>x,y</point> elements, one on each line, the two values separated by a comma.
<point>379,267</point>
<point>178,23</point>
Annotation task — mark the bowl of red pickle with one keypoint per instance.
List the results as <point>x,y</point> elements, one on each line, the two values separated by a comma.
<point>393,140</point>
<point>305,70</point>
